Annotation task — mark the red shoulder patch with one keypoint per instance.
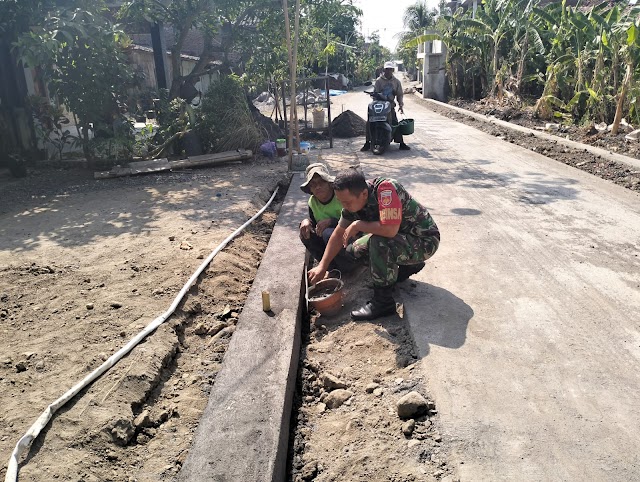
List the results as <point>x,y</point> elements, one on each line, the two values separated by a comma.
<point>389,204</point>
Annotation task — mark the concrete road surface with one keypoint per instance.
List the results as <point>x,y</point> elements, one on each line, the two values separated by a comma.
<point>527,319</point>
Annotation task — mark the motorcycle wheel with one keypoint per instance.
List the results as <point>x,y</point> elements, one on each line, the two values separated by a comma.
<point>378,149</point>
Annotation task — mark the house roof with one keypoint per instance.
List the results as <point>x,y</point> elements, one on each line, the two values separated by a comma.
<point>192,47</point>
<point>193,44</point>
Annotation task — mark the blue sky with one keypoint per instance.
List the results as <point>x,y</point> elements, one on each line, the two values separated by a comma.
<point>386,17</point>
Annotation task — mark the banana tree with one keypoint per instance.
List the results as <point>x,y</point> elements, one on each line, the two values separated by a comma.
<point>558,32</point>
<point>630,53</point>
<point>527,40</point>
<point>495,23</point>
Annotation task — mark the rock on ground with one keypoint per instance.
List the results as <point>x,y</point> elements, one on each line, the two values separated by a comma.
<point>412,405</point>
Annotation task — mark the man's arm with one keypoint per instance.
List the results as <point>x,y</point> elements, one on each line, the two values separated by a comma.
<point>370,227</point>
<point>377,87</point>
<point>331,251</point>
<point>307,225</point>
<point>325,224</point>
<point>400,96</point>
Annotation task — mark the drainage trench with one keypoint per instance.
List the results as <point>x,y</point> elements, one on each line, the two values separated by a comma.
<point>352,380</point>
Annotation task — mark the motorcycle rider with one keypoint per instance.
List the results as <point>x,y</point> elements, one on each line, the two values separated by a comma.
<point>390,87</point>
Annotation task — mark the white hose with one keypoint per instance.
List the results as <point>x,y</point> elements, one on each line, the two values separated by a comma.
<point>25,442</point>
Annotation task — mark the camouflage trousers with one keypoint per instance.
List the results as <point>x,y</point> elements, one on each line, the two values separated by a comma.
<point>385,254</point>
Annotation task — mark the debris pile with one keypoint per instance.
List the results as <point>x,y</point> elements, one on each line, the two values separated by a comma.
<point>309,97</point>
<point>271,129</point>
<point>348,124</point>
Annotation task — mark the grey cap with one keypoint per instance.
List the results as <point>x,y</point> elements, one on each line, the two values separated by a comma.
<point>313,169</point>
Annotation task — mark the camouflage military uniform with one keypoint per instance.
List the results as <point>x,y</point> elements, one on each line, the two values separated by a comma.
<point>418,237</point>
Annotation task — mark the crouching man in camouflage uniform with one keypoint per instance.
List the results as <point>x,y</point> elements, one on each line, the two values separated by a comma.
<point>399,235</point>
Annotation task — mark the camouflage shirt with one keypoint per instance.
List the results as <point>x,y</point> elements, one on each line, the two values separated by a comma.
<point>390,203</point>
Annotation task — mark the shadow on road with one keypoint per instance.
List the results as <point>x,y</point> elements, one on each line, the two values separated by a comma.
<point>420,167</point>
<point>436,316</point>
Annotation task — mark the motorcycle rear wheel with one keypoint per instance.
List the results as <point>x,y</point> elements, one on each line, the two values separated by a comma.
<point>378,149</point>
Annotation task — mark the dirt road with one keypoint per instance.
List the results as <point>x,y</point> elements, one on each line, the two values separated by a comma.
<point>526,320</point>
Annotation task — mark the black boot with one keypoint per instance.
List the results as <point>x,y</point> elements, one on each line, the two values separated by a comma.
<point>382,304</point>
<point>366,147</point>
<point>406,270</point>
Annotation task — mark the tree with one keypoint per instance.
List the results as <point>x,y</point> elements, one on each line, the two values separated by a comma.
<point>630,52</point>
<point>82,57</point>
<point>416,19</point>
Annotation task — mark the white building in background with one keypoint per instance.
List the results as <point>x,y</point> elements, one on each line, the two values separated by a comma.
<point>432,57</point>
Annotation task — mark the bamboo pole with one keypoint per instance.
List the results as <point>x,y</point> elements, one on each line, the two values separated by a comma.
<point>287,31</point>
<point>295,66</point>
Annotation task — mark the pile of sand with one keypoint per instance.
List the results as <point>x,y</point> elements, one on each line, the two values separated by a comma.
<point>348,124</point>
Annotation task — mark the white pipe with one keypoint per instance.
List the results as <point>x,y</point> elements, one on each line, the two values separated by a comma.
<point>25,442</point>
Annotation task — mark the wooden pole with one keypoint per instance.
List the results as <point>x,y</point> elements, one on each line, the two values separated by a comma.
<point>295,66</point>
<point>287,31</point>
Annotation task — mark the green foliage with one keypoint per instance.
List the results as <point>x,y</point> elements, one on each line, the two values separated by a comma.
<point>579,63</point>
<point>249,35</point>
<point>416,19</point>
<point>82,57</point>
<point>51,124</point>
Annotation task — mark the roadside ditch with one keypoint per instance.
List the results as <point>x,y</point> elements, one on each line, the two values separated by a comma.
<point>354,379</point>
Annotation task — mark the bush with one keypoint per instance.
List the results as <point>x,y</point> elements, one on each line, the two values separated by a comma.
<point>224,121</point>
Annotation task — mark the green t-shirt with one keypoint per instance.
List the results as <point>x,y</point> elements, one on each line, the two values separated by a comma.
<point>321,211</point>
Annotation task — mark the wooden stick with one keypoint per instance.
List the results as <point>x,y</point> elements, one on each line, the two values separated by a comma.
<point>295,66</point>
<point>287,30</point>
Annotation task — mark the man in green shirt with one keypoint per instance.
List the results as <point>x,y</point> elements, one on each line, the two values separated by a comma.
<point>324,211</point>
<point>399,235</point>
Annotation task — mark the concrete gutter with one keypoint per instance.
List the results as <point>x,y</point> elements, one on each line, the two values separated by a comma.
<point>244,431</point>
<point>608,155</point>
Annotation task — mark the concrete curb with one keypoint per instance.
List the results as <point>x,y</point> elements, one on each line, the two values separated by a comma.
<point>244,431</point>
<point>610,156</point>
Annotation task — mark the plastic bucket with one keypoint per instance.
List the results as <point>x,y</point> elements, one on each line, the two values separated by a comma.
<point>305,147</point>
<point>405,127</point>
<point>281,146</point>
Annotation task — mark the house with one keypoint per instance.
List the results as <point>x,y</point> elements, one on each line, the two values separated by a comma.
<point>142,55</point>
<point>431,65</point>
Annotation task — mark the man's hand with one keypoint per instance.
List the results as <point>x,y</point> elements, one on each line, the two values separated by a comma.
<point>351,232</point>
<point>316,274</point>
<point>306,228</point>
<point>322,225</point>
<point>401,109</point>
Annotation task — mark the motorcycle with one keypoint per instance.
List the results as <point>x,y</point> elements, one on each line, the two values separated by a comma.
<point>380,129</point>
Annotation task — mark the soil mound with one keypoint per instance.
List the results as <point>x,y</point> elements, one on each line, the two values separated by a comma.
<point>348,124</point>
<point>271,129</point>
